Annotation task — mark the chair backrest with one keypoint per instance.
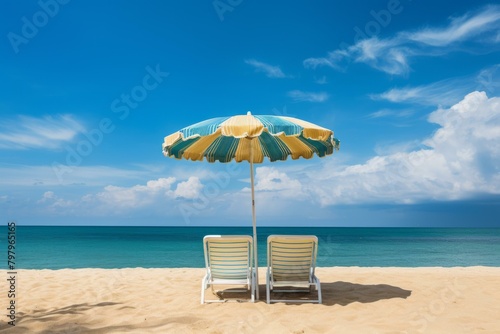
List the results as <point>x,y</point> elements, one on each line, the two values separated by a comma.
<point>228,257</point>
<point>292,257</point>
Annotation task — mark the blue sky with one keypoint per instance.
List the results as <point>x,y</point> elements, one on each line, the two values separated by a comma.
<point>90,89</point>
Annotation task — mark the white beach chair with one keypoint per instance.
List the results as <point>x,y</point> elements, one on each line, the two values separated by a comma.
<point>291,262</point>
<point>228,261</point>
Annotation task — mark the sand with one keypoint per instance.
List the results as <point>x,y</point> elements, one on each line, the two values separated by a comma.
<point>355,300</point>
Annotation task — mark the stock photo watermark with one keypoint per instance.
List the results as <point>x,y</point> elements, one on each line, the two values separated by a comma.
<point>282,112</point>
<point>223,6</point>
<point>11,274</point>
<point>31,26</point>
<point>381,19</point>
<point>121,107</point>
<point>449,294</point>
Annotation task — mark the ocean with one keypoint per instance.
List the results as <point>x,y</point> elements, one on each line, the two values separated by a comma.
<point>56,247</point>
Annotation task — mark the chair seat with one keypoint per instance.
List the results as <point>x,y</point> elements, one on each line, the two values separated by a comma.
<point>230,281</point>
<point>228,261</point>
<point>292,284</point>
<point>291,263</point>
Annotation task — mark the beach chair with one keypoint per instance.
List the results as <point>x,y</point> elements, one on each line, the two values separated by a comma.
<point>291,262</point>
<point>228,261</point>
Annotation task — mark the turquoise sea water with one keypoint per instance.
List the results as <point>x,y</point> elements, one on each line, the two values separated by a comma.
<point>55,247</point>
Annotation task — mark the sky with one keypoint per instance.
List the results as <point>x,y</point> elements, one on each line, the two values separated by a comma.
<point>409,87</point>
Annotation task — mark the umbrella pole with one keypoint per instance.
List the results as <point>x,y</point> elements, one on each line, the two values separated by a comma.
<point>256,259</point>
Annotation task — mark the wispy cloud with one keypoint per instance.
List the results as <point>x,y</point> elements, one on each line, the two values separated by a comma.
<point>460,28</point>
<point>16,176</point>
<point>300,96</point>
<point>269,70</point>
<point>321,81</point>
<point>390,113</point>
<point>488,79</point>
<point>48,132</point>
<point>392,55</point>
<point>444,92</point>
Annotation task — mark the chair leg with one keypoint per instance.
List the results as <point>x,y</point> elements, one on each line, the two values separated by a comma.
<point>318,287</point>
<point>268,291</point>
<point>204,283</point>
<point>203,291</point>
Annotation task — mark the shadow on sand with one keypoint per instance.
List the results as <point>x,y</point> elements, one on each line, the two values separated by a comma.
<point>59,326</point>
<point>345,293</point>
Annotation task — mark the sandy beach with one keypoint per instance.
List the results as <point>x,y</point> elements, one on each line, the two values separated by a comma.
<point>356,300</point>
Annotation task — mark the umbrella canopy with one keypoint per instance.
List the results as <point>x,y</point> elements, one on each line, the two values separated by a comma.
<point>251,138</point>
<point>226,138</point>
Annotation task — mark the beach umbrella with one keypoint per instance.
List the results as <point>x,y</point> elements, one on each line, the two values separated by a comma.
<point>250,138</point>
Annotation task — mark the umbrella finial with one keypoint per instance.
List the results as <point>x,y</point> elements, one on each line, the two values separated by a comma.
<point>249,113</point>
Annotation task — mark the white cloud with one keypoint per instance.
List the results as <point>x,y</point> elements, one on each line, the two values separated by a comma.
<point>269,70</point>
<point>387,148</point>
<point>275,193</point>
<point>392,55</point>
<point>153,196</point>
<point>15,176</point>
<point>461,160</point>
<point>489,79</point>
<point>47,196</point>
<point>460,28</point>
<point>48,132</point>
<point>383,55</point>
<point>300,96</point>
<point>321,81</point>
<point>270,179</point>
<point>56,204</point>
<point>445,92</point>
<point>391,113</point>
<point>333,60</point>
<point>130,198</point>
<point>189,189</point>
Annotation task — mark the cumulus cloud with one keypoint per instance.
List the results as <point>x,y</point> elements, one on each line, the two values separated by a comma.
<point>54,203</point>
<point>133,197</point>
<point>117,200</point>
<point>460,160</point>
<point>392,55</point>
<point>270,179</point>
<point>48,132</point>
<point>189,189</point>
